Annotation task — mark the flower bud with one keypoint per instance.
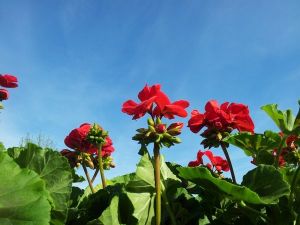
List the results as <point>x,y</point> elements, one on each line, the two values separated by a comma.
<point>150,122</point>
<point>160,128</point>
<point>175,129</point>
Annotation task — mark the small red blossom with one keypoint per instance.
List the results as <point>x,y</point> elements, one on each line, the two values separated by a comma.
<point>156,103</point>
<point>8,81</point>
<point>217,162</point>
<point>77,140</point>
<point>3,94</point>
<point>223,118</point>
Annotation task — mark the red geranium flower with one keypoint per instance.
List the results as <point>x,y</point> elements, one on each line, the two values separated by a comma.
<point>8,81</point>
<point>77,140</point>
<point>223,118</point>
<point>217,162</point>
<point>164,107</point>
<point>3,94</point>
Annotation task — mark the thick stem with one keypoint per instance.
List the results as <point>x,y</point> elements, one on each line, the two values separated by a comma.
<point>88,178</point>
<point>157,184</point>
<point>101,166</point>
<point>278,153</point>
<point>95,175</point>
<point>229,161</point>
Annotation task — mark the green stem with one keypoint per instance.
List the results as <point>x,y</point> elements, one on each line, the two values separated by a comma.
<point>157,183</point>
<point>88,178</point>
<point>229,161</point>
<point>171,214</point>
<point>95,175</point>
<point>278,153</point>
<point>101,166</point>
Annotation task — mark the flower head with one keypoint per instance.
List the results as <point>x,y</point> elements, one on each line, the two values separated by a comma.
<point>156,103</point>
<point>77,140</point>
<point>8,81</point>
<point>3,94</point>
<point>217,163</point>
<point>219,121</point>
<point>223,118</point>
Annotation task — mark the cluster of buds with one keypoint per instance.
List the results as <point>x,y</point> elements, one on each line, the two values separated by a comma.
<point>213,137</point>
<point>77,158</point>
<point>159,133</point>
<point>108,163</point>
<point>96,135</point>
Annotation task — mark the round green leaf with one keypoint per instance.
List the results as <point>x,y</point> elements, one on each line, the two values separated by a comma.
<point>54,170</point>
<point>268,182</point>
<point>203,177</point>
<point>23,196</point>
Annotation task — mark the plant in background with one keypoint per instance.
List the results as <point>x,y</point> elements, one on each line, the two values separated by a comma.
<point>219,122</point>
<point>158,105</point>
<point>93,148</point>
<point>7,81</point>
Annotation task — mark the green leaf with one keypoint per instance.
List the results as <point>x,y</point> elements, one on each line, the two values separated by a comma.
<point>110,216</point>
<point>145,170</point>
<point>268,182</point>
<point>203,177</point>
<point>141,190</point>
<point>143,204</point>
<point>54,169</point>
<point>77,178</point>
<point>23,196</point>
<point>252,144</point>
<point>124,179</point>
<point>107,206</point>
<point>297,122</point>
<point>283,119</point>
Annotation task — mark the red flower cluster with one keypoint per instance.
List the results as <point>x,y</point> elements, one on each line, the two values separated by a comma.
<point>7,81</point>
<point>77,140</point>
<point>288,152</point>
<point>222,118</point>
<point>217,162</point>
<point>163,106</point>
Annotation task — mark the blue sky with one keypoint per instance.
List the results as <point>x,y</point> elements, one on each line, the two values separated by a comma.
<point>78,61</point>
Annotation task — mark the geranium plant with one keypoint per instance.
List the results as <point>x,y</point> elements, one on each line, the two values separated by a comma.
<point>37,184</point>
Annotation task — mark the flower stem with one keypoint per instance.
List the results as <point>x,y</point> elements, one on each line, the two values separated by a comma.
<point>278,152</point>
<point>88,178</point>
<point>229,161</point>
<point>101,166</point>
<point>157,183</point>
<point>95,175</point>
